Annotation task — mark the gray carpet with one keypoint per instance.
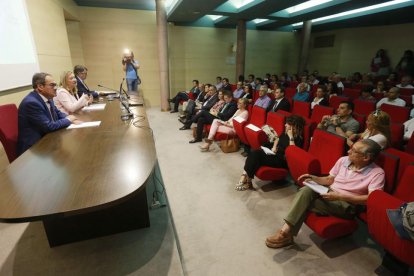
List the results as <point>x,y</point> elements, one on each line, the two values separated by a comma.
<point>221,231</point>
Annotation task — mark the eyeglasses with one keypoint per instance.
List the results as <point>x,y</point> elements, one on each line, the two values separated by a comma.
<point>356,151</point>
<point>51,84</point>
<point>376,113</point>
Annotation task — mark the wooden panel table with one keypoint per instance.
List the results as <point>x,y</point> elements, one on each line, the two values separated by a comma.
<point>83,183</point>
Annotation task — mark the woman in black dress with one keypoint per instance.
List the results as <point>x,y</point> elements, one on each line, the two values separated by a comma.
<point>293,135</point>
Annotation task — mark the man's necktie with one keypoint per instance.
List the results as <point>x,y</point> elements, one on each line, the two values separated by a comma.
<point>52,111</point>
<point>274,107</point>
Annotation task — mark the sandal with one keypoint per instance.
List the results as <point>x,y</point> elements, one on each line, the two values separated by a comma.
<point>246,185</point>
<point>205,148</point>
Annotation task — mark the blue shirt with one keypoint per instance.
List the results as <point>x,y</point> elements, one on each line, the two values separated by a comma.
<point>263,101</point>
<point>130,71</point>
<point>301,97</point>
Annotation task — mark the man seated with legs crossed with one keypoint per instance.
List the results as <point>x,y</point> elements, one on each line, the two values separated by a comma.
<point>350,181</point>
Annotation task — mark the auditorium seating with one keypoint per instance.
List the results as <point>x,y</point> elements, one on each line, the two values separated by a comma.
<point>239,125</point>
<point>405,160</point>
<point>257,120</point>
<point>9,130</point>
<point>397,134</point>
<point>334,101</point>
<point>301,108</point>
<point>364,107</point>
<point>410,145</point>
<point>353,94</point>
<point>379,225</point>
<point>398,114</point>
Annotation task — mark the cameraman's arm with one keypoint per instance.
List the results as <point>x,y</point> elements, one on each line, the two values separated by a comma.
<point>124,64</point>
<point>135,64</point>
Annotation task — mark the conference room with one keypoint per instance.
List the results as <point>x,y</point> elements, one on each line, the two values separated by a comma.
<point>121,191</point>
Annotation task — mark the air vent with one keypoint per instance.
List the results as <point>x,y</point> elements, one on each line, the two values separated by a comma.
<point>324,41</point>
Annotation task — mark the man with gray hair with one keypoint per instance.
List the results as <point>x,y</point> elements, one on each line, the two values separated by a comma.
<point>349,183</point>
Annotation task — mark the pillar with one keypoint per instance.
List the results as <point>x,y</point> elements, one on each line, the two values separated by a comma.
<point>241,48</point>
<point>304,52</point>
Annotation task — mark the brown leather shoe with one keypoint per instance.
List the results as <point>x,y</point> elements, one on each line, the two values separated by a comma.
<point>280,239</point>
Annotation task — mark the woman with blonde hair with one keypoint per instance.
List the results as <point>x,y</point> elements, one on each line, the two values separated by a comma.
<point>67,99</point>
<point>293,135</point>
<point>378,129</point>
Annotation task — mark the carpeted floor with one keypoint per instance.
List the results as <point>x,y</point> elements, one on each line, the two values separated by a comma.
<point>221,231</point>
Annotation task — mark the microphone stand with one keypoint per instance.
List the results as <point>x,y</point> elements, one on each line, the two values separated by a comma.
<point>122,89</point>
<point>115,92</point>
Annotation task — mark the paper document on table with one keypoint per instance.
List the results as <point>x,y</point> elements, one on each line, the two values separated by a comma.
<point>85,124</point>
<point>267,151</point>
<point>94,107</point>
<point>107,92</point>
<point>316,187</point>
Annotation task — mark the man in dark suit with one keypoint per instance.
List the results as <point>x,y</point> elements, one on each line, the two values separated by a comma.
<point>280,102</point>
<point>207,117</point>
<point>38,114</point>
<point>81,72</point>
<point>184,96</point>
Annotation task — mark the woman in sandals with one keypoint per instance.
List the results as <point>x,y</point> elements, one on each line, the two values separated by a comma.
<point>226,126</point>
<point>293,135</point>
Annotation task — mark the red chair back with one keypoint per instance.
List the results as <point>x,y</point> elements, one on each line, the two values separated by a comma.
<point>361,120</point>
<point>327,148</point>
<point>406,92</point>
<point>353,94</point>
<point>258,117</point>
<point>364,107</point>
<point>290,92</point>
<point>276,121</point>
<point>410,145</point>
<point>319,111</point>
<point>283,112</point>
<point>301,108</point>
<point>239,129</point>
<point>389,163</point>
<point>397,134</point>
<point>334,101</point>
<point>398,114</point>
<point>405,187</point>
<point>405,160</point>
<point>9,130</point>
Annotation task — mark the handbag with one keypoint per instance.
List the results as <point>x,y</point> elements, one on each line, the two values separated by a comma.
<point>230,144</point>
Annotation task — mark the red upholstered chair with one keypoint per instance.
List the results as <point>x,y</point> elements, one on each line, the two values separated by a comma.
<point>361,119</point>
<point>277,121</point>
<point>319,111</point>
<point>398,114</point>
<point>408,100</point>
<point>410,145</point>
<point>406,91</point>
<point>364,107</point>
<point>397,134</point>
<point>283,112</point>
<point>239,126</point>
<point>334,101</point>
<point>405,160</point>
<point>378,95</point>
<point>330,227</point>
<point>324,150</point>
<point>301,108</point>
<point>255,95</point>
<point>258,116</point>
<point>389,163</point>
<point>255,136</point>
<point>379,225</point>
<point>9,129</point>
<point>257,119</point>
<point>290,92</point>
<point>293,84</point>
<point>353,94</point>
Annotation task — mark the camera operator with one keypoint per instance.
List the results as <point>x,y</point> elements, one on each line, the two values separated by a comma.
<point>342,123</point>
<point>131,66</point>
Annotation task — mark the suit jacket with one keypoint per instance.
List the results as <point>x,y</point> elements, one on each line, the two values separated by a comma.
<point>228,112</point>
<point>35,121</point>
<point>283,105</point>
<point>210,102</point>
<point>83,89</point>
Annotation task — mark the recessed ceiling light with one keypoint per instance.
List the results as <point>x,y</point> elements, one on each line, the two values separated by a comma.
<point>306,5</point>
<point>214,17</point>
<point>239,3</point>
<point>259,20</point>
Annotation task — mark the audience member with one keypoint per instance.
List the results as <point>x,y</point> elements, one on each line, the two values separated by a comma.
<point>248,92</point>
<point>257,83</point>
<point>130,67</point>
<point>313,80</point>
<point>219,83</point>
<point>263,100</point>
<point>409,126</point>
<point>366,94</point>
<point>406,82</point>
<point>67,99</point>
<point>38,114</point>
<point>356,77</point>
<point>293,135</point>
<point>380,88</point>
<point>367,79</point>
<point>378,129</point>
<point>219,125</point>
<point>184,96</point>
<point>238,92</point>
<point>332,89</point>
<point>320,97</point>
<point>226,84</point>
<point>350,181</point>
<point>392,98</point>
<point>302,94</point>
<point>342,123</point>
<point>339,84</point>
<point>280,102</point>
<point>380,64</point>
<point>250,80</point>
<point>190,106</point>
<point>81,73</point>
<point>406,64</point>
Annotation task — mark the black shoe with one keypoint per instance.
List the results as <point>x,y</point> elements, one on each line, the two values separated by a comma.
<point>183,116</point>
<point>183,121</point>
<point>173,111</point>
<point>184,127</point>
<point>170,101</point>
<point>194,141</point>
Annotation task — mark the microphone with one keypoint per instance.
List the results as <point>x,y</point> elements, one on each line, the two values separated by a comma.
<point>114,91</point>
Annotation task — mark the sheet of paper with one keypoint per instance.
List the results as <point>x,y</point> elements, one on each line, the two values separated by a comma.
<point>316,187</point>
<point>239,119</point>
<point>253,127</point>
<point>94,107</point>
<point>267,151</point>
<point>85,124</point>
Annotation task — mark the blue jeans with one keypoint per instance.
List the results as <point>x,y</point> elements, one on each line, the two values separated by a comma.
<point>132,84</point>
